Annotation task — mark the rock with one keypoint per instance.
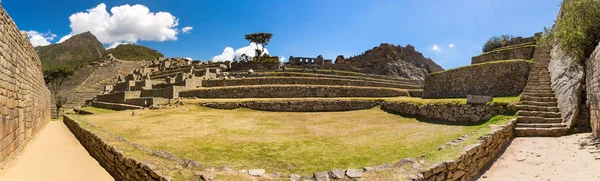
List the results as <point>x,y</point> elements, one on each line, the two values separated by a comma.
<point>256,172</point>
<point>135,112</point>
<point>354,173</point>
<point>337,174</point>
<point>243,171</point>
<point>405,161</point>
<point>416,177</point>
<point>520,158</point>
<point>384,166</point>
<point>207,177</point>
<point>276,175</point>
<point>474,99</point>
<point>226,169</point>
<point>322,176</point>
<point>368,169</point>
<point>294,177</point>
<point>567,76</point>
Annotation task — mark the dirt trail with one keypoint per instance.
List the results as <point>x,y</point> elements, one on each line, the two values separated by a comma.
<point>547,159</point>
<point>54,154</point>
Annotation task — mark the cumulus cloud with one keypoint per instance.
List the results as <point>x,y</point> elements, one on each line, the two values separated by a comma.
<point>451,45</point>
<point>40,39</point>
<point>229,53</point>
<point>125,24</point>
<point>435,48</point>
<point>187,29</point>
<point>64,38</point>
<point>115,44</point>
<point>188,58</point>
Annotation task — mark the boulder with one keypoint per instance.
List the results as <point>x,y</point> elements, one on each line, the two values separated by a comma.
<point>474,99</point>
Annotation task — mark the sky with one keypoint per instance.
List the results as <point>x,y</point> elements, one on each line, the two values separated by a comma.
<point>449,32</point>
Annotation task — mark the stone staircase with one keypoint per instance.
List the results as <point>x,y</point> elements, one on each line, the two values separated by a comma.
<point>538,113</point>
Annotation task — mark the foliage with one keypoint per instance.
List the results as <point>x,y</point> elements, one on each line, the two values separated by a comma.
<point>259,38</point>
<point>56,76</point>
<point>242,58</point>
<point>60,101</point>
<point>577,29</point>
<point>134,52</point>
<point>496,42</point>
<point>263,40</point>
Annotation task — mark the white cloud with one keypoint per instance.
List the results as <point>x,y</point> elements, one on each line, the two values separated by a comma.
<point>281,58</point>
<point>451,45</point>
<point>125,24</point>
<point>229,53</point>
<point>64,38</point>
<point>188,58</point>
<point>40,39</point>
<point>435,48</point>
<point>115,44</point>
<point>187,29</point>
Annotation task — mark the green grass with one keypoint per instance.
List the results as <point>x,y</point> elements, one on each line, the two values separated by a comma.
<point>286,142</point>
<point>96,110</point>
<point>523,45</point>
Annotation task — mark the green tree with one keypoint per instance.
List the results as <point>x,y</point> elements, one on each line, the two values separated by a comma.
<point>261,39</point>
<point>577,29</point>
<point>54,78</point>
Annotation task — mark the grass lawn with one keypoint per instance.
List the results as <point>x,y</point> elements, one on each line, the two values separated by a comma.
<point>287,142</point>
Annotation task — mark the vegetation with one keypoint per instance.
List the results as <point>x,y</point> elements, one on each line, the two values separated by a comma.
<point>577,29</point>
<point>134,52</point>
<point>496,42</point>
<point>74,53</point>
<point>245,138</point>
<point>54,78</point>
<point>261,40</point>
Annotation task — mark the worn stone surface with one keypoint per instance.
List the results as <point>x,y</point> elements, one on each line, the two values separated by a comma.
<point>503,78</point>
<point>24,98</point>
<point>567,76</point>
<point>337,174</point>
<point>297,106</point>
<point>321,176</point>
<point>474,99</point>
<point>450,112</point>
<point>289,91</point>
<point>256,172</point>
<point>354,173</point>
<point>304,81</point>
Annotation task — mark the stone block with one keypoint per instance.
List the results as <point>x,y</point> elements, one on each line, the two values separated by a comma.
<point>475,99</point>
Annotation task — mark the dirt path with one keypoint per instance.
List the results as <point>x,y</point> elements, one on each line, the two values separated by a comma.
<point>54,154</point>
<point>546,159</point>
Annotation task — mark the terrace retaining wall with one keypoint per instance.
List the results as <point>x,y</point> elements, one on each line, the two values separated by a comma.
<point>298,106</point>
<point>118,97</point>
<point>171,92</point>
<point>112,159</point>
<point>496,79</point>
<point>525,52</point>
<point>291,91</point>
<point>115,106</point>
<point>303,80</point>
<point>24,98</point>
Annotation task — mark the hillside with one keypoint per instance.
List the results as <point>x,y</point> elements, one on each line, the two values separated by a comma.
<point>134,52</point>
<point>388,59</point>
<point>75,52</point>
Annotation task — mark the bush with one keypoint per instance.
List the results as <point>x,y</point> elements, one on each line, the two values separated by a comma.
<point>496,42</point>
<point>577,29</point>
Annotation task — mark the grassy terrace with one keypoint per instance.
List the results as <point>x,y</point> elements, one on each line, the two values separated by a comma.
<point>484,63</point>
<point>530,44</point>
<point>416,100</point>
<point>286,142</point>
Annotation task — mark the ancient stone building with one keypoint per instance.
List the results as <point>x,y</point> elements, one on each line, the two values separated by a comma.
<point>24,98</point>
<point>319,61</point>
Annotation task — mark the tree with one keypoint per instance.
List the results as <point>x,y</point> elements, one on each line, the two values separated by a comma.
<point>261,39</point>
<point>242,58</point>
<point>54,78</point>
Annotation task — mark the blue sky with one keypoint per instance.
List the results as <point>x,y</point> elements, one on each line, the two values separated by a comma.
<point>306,27</point>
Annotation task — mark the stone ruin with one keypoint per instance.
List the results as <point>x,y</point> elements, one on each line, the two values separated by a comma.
<point>319,61</point>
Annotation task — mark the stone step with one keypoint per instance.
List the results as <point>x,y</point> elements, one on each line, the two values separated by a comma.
<point>546,132</point>
<point>536,119</point>
<point>537,108</point>
<point>539,114</point>
<point>535,103</point>
<point>539,94</point>
<point>541,125</point>
<point>540,90</point>
<point>538,99</point>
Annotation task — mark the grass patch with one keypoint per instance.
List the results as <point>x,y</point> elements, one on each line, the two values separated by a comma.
<point>285,142</point>
<point>529,44</point>
<point>96,110</point>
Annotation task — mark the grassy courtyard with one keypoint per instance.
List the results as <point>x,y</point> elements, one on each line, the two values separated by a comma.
<point>286,142</point>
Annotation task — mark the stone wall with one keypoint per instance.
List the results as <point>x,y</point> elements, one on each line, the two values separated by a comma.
<point>290,91</point>
<point>245,66</point>
<point>303,80</point>
<point>111,158</point>
<point>592,83</point>
<point>115,106</point>
<point>118,97</point>
<point>24,98</point>
<point>525,52</point>
<point>474,159</point>
<point>144,101</point>
<point>298,106</point>
<point>451,112</point>
<point>501,78</point>
<point>171,92</point>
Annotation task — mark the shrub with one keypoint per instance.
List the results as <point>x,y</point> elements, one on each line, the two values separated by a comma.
<point>577,29</point>
<point>496,42</point>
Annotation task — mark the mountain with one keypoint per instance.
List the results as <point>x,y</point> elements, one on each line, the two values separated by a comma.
<point>388,59</point>
<point>75,52</point>
<point>134,52</point>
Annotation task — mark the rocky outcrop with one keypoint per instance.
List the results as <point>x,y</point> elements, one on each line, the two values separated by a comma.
<point>388,59</point>
<point>77,51</point>
<point>567,76</point>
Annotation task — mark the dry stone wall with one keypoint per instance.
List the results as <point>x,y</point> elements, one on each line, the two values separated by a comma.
<point>525,52</point>
<point>171,92</point>
<point>298,106</point>
<point>474,159</point>
<point>290,91</point>
<point>118,97</point>
<point>115,106</point>
<point>592,83</point>
<point>24,98</point>
<point>303,80</point>
<point>451,112</point>
<point>111,158</point>
<point>502,78</point>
